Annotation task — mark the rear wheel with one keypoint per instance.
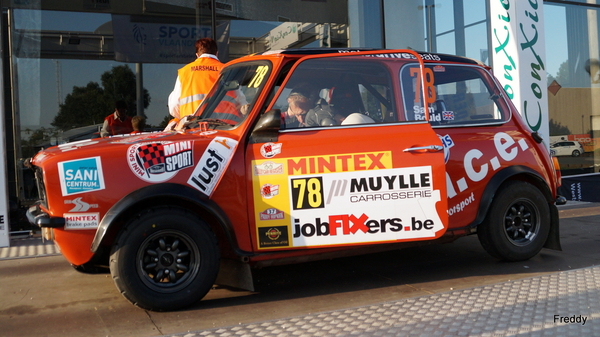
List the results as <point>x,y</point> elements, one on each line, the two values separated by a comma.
<point>165,259</point>
<point>576,153</point>
<point>517,224</point>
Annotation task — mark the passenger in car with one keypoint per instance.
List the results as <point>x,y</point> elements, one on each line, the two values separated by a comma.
<point>299,103</point>
<point>333,113</point>
<point>322,115</point>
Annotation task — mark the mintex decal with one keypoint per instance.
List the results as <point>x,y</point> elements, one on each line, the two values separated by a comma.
<point>159,161</point>
<point>81,220</point>
<point>212,165</point>
<point>270,150</point>
<point>81,176</point>
<point>347,198</point>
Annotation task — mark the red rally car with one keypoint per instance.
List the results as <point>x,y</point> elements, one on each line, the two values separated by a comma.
<point>297,155</point>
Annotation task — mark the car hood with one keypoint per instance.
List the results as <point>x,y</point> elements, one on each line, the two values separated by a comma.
<point>117,144</point>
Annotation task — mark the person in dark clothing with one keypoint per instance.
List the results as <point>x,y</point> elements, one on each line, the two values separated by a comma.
<point>118,122</point>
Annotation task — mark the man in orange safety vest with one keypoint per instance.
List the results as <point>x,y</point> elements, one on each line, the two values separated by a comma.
<point>195,79</point>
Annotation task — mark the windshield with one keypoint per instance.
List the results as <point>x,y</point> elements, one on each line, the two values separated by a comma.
<point>237,89</point>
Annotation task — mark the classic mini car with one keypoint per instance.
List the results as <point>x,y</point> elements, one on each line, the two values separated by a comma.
<point>379,149</point>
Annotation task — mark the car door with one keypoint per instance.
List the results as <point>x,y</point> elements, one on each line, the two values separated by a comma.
<point>342,185</point>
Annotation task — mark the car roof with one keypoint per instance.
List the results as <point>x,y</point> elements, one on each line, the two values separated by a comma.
<point>323,51</point>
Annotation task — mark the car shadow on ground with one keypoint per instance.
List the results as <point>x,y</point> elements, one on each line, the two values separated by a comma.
<point>461,264</point>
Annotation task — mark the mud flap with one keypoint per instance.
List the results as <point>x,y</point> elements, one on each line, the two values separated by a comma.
<point>235,274</point>
<point>553,241</point>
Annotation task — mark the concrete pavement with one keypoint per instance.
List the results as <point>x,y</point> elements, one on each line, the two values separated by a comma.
<point>446,290</point>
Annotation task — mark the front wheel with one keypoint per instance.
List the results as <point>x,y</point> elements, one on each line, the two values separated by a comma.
<point>517,224</point>
<point>165,259</point>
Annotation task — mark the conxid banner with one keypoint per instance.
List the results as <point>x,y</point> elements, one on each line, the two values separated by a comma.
<point>518,55</point>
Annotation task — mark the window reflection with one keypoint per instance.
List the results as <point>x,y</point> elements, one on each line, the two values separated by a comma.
<point>573,86</point>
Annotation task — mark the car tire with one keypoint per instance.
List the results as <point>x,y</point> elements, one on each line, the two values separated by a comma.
<point>517,224</point>
<point>576,153</point>
<point>165,259</point>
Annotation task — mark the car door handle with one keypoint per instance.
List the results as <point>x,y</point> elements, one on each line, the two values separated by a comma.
<point>430,148</point>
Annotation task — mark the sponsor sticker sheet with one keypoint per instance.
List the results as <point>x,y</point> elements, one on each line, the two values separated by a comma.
<point>339,199</point>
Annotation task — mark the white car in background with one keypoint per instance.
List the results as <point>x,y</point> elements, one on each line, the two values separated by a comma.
<point>566,148</point>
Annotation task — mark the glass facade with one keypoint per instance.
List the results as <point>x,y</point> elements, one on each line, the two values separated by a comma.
<point>66,64</point>
<point>574,82</point>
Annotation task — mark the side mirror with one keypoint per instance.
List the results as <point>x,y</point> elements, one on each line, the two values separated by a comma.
<point>231,85</point>
<point>267,128</point>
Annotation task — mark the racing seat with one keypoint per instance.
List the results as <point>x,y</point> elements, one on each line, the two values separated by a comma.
<point>345,99</point>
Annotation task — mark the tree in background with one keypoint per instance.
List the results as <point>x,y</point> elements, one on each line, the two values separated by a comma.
<point>119,84</point>
<point>165,121</point>
<point>563,75</point>
<point>91,104</point>
<point>83,106</point>
<point>557,129</point>
<point>36,139</point>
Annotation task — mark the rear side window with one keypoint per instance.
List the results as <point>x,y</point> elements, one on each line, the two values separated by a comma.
<point>455,95</point>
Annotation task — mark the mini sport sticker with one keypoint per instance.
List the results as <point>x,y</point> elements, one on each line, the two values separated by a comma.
<point>159,161</point>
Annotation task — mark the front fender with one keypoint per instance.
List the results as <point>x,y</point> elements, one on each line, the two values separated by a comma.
<point>151,195</point>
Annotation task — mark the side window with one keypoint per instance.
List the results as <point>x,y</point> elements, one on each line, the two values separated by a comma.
<point>331,92</point>
<point>456,95</point>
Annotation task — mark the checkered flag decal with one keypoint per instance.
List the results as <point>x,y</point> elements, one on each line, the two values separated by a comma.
<point>151,155</point>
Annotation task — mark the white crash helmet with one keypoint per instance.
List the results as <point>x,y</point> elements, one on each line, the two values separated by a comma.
<point>357,118</point>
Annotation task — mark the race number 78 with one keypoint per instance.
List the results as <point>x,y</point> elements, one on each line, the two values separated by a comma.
<point>307,193</point>
<point>429,84</point>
